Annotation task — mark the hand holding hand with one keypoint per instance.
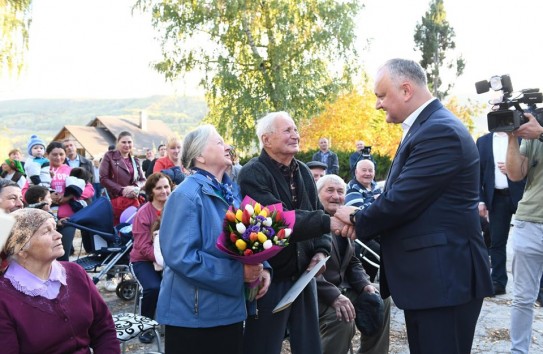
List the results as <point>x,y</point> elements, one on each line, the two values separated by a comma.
<point>337,227</point>
<point>343,213</point>
<point>344,308</point>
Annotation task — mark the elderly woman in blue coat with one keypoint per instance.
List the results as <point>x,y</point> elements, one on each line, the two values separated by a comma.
<point>201,298</point>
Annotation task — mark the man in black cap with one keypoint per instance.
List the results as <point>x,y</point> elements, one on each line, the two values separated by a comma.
<point>318,169</point>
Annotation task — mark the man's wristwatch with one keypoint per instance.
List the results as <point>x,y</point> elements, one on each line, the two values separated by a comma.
<point>352,216</point>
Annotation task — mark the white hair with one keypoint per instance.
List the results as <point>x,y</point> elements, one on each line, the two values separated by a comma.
<point>324,180</point>
<point>265,124</point>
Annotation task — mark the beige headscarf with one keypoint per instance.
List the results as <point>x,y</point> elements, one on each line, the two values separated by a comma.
<point>27,222</point>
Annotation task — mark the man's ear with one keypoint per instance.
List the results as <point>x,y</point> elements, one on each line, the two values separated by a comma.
<point>265,140</point>
<point>407,91</point>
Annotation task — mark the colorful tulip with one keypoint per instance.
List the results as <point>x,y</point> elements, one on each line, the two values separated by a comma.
<point>267,244</point>
<point>240,227</point>
<point>249,208</point>
<point>281,234</point>
<point>288,232</point>
<point>257,208</point>
<point>268,222</point>
<point>239,214</point>
<point>261,237</point>
<point>233,237</point>
<point>253,236</point>
<point>278,216</point>
<point>248,252</point>
<point>264,213</point>
<point>246,217</point>
<point>241,245</point>
<point>230,216</point>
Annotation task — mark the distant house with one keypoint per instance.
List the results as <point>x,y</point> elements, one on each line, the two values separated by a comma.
<point>94,139</point>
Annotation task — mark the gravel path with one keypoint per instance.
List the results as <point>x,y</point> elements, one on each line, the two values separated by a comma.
<point>491,336</point>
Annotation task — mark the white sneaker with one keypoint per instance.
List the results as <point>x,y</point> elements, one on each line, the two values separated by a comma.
<point>110,285</point>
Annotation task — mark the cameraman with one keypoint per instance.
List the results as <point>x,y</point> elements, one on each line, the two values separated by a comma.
<point>361,153</point>
<point>527,236</point>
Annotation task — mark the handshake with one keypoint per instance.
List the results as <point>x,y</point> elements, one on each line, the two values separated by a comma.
<point>342,222</point>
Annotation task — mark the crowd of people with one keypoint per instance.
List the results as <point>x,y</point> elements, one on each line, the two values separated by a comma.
<point>421,236</point>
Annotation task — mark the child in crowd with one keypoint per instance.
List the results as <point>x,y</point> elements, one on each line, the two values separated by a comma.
<point>37,165</point>
<point>75,185</point>
<point>39,197</point>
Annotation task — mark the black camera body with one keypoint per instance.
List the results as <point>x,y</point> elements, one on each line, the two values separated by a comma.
<point>508,115</point>
<point>366,151</point>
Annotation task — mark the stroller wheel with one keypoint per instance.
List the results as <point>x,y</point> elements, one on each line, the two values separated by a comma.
<point>126,290</point>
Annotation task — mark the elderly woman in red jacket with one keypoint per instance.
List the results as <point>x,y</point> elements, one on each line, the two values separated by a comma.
<point>121,175</point>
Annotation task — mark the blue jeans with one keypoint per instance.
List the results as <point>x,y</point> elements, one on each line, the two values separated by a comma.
<point>499,222</point>
<point>527,245</point>
<point>150,280</point>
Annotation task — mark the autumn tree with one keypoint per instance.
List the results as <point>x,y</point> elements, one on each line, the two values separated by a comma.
<point>258,56</point>
<point>14,25</point>
<point>434,37</point>
<point>350,118</point>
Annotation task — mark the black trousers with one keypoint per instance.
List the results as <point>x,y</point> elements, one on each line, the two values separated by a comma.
<point>444,330</point>
<point>213,340</point>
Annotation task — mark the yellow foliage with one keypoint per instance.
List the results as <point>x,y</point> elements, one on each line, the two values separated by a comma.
<point>350,118</point>
<point>353,117</point>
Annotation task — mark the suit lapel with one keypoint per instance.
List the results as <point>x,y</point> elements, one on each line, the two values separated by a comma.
<point>421,119</point>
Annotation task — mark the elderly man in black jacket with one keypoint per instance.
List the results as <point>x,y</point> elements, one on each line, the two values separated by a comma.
<point>277,177</point>
<point>342,282</point>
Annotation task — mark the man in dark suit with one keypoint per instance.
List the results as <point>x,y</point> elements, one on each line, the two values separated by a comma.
<point>499,197</point>
<point>433,259</point>
<point>327,156</point>
<point>277,177</point>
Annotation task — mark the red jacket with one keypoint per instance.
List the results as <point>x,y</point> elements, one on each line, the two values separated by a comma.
<point>114,174</point>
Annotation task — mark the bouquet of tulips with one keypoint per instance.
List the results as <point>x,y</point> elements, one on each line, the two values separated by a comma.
<point>254,233</point>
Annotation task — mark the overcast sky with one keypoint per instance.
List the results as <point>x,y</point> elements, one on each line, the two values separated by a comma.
<point>98,49</point>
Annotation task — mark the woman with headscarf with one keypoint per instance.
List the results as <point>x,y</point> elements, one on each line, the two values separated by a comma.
<point>13,170</point>
<point>49,306</point>
<point>121,175</point>
<point>201,299</point>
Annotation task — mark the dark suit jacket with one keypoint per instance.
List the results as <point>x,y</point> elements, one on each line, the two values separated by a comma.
<point>262,180</point>
<point>346,271</point>
<point>85,164</point>
<point>486,155</point>
<point>432,250</point>
<point>332,161</point>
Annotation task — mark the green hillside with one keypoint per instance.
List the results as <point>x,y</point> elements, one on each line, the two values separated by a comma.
<point>21,118</point>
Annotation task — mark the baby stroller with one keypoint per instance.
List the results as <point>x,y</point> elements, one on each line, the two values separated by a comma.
<point>107,247</point>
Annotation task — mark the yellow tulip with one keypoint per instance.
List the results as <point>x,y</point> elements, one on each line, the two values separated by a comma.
<point>263,213</point>
<point>261,237</point>
<point>239,214</point>
<point>241,245</point>
<point>257,208</point>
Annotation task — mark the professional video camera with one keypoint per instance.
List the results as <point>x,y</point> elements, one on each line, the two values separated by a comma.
<point>508,115</point>
<point>366,151</point>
